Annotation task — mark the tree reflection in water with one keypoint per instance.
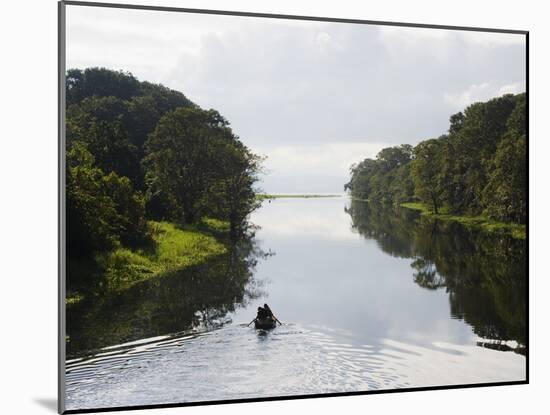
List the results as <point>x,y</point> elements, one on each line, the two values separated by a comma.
<point>195,298</point>
<point>484,274</point>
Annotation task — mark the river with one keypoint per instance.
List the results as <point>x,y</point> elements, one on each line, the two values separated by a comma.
<point>370,299</point>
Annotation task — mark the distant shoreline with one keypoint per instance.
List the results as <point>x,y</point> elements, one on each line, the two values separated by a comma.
<point>294,196</point>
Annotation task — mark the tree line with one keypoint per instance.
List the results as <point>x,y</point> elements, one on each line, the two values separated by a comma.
<point>138,151</point>
<point>478,168</point>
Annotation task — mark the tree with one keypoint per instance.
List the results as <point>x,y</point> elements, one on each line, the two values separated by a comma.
<point>99,82</point>
<point>384,180</point>
<point>91,213</point>
<point>425,173</point>
<point>402,187</point>
<point>130,222</point>
<point>233,193</point>
<point>98,122</point>
<point>190,153</point>
<point>394,157</point>
<point>456,122</point>
<point>102,210</point>
<point>359,184</point>
<point>505,195</point>
<point>166,99</point>
<point>474,138</point>
<point>140,120</point>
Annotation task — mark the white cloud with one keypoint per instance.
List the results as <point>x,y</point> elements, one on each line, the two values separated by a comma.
<point>412,34</point>
<point>481,92</point>
<point>513,88</point>
<point>305,93</point>
<point>328,159</point>
<point>493,39</point>
<point>473,93</point>
<point>326,43</point>
<point>418,37</point>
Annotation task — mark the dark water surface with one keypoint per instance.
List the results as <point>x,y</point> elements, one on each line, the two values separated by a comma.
<point>370,299</point>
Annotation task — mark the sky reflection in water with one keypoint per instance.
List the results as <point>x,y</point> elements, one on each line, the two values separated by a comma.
<point>370,300</point>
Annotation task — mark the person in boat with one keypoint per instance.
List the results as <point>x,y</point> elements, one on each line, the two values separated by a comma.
<point>265,317</point>
<point>262,314</point>
<point>268,311</point>
<point>270,314</point>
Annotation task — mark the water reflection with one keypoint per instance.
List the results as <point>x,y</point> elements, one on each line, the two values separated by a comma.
<point>484,274</point>
<point>370,299</point>
<point>198,298</point>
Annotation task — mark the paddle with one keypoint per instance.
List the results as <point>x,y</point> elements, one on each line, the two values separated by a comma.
<point>270,313</point>
<point>251,322</point>
<point>276,319</point>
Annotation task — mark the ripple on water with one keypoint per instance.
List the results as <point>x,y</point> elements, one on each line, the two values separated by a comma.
<point>236,361</point>
<point>229,363</point>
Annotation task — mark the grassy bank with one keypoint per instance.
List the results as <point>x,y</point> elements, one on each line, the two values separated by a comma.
<point>289,196</point>
<point>517,231</point>
<point>174,248</point>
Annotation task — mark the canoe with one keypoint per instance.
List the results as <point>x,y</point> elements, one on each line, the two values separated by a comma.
<point>265,324</point>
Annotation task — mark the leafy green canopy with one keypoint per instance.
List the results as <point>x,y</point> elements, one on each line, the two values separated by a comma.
<point>201,167</point>
<point>386,179</point>
<point>138,151</point>
<point>479,167</point>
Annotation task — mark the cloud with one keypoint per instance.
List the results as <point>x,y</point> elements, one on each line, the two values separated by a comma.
<point>304,91</point>
<point>473,93</point>
<point>495,40</point>
<point>514,88</point>
<point>482,92</point>
<point>332,159</point>
<point>313,168</point>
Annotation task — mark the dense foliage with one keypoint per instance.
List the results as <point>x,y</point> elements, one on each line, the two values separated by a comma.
<point>138,151</point>
<point>478,168</point>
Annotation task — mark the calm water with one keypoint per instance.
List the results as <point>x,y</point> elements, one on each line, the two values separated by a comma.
<point>370,299</point>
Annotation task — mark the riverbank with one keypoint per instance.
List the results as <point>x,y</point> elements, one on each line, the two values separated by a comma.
<point>515,230</point>
<point>174,248</point>
<point>297,196</point>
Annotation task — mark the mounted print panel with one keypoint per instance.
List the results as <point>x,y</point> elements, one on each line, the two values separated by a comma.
<point>258,207</point>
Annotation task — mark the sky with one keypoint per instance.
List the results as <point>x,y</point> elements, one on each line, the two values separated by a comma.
<point>314,97</point>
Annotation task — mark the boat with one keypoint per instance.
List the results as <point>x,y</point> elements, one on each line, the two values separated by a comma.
<point>265,324</point>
